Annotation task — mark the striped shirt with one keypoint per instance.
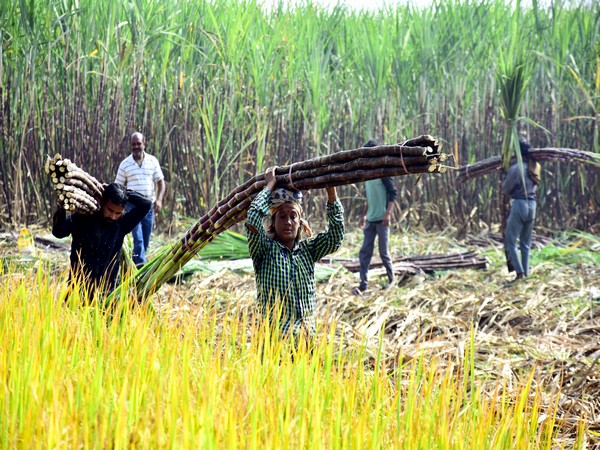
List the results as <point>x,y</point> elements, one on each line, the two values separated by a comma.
<point>285,280</point>
<point>140,179</point>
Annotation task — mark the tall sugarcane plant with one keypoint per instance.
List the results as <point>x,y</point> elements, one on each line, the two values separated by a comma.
<point>222,89</point>
<point>513,75</point>
<point>512,79</point>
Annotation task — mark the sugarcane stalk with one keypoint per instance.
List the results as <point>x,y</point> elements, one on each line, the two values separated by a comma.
<point>152,281</point>
<point>232,212</point>
<point>78,184</point>
<point>332,175</point>
<point>493,164</point>
<point>83,199</point>
<point>75,189</point>
<point>422,145</point>
<point>419,155</point>
<point>73,204</point>
<point>71,188</point>
<point>429,263</point>
<point>83,177</point>
<point>312,179</point>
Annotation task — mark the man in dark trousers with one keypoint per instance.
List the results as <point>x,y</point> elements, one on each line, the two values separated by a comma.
<point>98,238</point>
<point>381,195</point>
<point>521,183</point>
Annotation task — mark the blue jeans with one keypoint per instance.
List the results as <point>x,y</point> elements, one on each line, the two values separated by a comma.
<point>372,230</point>
<point>141,238</point>
<point>520,225</point>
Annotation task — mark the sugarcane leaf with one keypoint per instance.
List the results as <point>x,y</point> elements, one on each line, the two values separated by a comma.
<point>227,245</point>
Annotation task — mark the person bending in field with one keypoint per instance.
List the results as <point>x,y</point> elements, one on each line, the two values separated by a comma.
<point>521,183</point>
<point>284,265</point>
<point>98,238</point>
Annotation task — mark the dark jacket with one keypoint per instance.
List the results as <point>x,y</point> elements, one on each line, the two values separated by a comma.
<point>512,185</point>
<point>97,242</point>
<point>391,190</point>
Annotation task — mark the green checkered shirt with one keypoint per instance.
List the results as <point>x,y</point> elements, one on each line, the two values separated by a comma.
<point>285,280</point>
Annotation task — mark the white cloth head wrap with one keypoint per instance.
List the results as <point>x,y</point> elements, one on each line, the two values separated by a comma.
<point>279,197</point>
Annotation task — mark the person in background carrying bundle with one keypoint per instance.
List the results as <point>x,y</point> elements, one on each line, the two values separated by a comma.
<point>284,265</point>
<point>521,184</point>
<point>381,195</point>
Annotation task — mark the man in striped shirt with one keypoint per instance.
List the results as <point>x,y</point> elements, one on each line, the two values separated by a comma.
<point>141,172</point>
<point>284,265</point>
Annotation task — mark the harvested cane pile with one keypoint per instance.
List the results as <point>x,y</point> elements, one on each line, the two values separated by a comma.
<point>413,265</point>
<point>494,164</point>
<point>497,239</point>
<point>418,155</point>
<point>76,190</point>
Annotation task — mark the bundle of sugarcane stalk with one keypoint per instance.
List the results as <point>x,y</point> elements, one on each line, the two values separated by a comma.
<point>494,163</point>
<point>411,265</point>
<point>75,189</point>
<point>537,241</point>
<point>415,156</point>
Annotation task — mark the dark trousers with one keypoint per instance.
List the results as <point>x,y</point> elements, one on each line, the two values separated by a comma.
<point>520,226</point>
<point>372,230</point>
<point>141,238</point>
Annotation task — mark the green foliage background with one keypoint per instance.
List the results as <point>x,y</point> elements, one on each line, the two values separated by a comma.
<point>222,89</point>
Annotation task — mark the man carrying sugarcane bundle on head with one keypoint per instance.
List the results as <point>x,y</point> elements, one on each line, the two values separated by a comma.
<point>284,265</point>
<point>98,237</point>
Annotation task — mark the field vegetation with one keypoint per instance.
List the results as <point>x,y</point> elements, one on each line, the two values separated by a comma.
<point>456,359</point>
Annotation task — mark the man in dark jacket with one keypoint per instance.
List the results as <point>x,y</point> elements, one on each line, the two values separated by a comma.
<point>381,195</point>
<point>521,183</point>
<point>98,238</point>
